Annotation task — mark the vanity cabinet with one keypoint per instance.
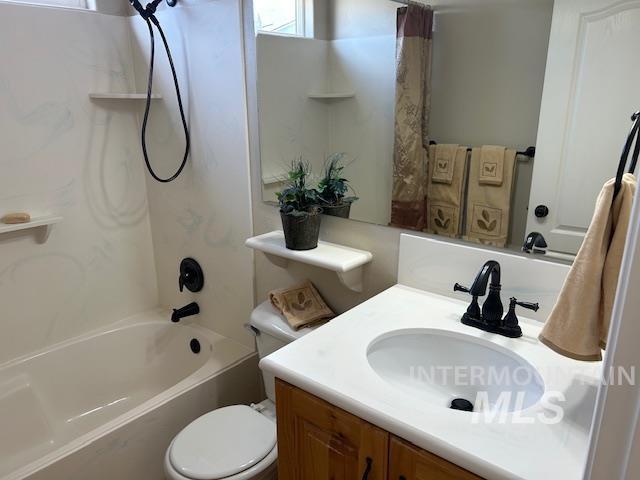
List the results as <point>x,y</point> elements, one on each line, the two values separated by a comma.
<point>318,441</point>
<point>408,462</point>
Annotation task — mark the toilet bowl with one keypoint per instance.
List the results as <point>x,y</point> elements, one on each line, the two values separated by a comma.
<point>237,442</point>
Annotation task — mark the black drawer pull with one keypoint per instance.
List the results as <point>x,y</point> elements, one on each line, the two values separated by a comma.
<point>367,470</point>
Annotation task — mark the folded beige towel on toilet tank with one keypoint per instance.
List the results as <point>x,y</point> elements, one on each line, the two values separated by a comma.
<point>301,305</point>
<point>489,195</point>
<point>447,169</point>
<point>579,323</point>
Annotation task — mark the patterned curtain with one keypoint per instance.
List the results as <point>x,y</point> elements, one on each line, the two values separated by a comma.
<point>413,103</point>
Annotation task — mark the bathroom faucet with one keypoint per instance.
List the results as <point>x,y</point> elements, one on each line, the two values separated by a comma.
<point>490,318</point>
<point>186,311</point>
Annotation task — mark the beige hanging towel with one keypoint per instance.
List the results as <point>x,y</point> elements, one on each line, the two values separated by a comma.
<point>301,305</point>
<point>445,200</point>
<point>492,165</point>
<point>441,163</point>
<point>579,322</point>
<point>489,204</point>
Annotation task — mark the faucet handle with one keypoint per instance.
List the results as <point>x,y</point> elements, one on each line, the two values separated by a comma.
<point>528,305</point>
<point>510,327</point>
<point>461,288</point>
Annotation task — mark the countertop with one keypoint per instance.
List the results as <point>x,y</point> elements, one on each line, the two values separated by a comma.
<point>331,363</point>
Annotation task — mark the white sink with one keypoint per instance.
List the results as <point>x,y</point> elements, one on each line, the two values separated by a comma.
<point>438,366</point>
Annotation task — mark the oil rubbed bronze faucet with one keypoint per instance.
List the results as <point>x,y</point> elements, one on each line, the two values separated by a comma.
<point>490,318</point>
<point>186,311</point>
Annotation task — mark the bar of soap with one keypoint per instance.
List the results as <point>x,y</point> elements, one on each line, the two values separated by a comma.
<point>14,218</point>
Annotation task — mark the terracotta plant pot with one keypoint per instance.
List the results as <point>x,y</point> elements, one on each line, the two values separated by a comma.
<point>342,210</point>
<point>301,232</point>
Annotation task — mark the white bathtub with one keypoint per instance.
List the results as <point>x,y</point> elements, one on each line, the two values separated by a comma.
<point>107,404</point>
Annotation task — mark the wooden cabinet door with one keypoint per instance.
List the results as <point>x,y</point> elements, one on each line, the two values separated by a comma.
<point>408,462</point>
<point>317,441</point>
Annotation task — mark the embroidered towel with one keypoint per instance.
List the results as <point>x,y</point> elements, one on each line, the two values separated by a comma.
<point>301,305</point>
<point>579,322</point>
<point>442,159</point>
<point>445,201</point>
<point>491,165</point>
<point>489,206</point>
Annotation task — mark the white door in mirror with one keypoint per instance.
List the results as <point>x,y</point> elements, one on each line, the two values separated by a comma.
<point>590,92</point>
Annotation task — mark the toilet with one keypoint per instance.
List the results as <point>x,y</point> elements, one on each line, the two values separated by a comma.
<point>236,442</point>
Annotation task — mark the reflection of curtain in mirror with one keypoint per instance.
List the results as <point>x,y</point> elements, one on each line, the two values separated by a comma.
<point>413,102</point>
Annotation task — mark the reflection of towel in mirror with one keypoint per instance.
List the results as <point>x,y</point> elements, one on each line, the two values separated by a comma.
<point>579,323</point>
<point>445,198</point>
<point>489,202</point>
<point>301,305</point>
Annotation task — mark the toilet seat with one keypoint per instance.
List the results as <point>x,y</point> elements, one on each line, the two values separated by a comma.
<point>260,470</point>
<point>230,443</point>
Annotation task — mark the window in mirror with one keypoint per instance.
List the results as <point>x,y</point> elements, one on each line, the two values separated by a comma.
<point>282,17</point>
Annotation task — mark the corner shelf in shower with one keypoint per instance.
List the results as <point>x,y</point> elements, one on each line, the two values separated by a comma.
<point>331,96</point>
<point>347,262</point>
<point>40,225</point>
<point>123,96</point>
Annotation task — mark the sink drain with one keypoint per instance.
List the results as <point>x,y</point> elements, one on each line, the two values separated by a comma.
<point>461,404</point>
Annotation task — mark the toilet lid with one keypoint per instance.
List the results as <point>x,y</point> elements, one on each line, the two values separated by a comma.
<point>221,443</point>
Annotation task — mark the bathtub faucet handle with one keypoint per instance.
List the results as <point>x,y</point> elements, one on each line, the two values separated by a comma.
<point>191,275</point>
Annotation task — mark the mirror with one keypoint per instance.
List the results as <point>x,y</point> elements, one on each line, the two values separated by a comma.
<point>471,120</point>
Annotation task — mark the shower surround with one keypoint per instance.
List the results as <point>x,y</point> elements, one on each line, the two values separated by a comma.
<point>117,251</point>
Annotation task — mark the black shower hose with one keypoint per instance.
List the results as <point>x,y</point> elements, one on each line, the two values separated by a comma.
<point>148,104</point>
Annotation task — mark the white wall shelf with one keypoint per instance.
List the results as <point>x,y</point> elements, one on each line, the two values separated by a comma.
<point>41,225</point>
<point>331,96</point>
<point>347,262</point>
<point>123,96</point>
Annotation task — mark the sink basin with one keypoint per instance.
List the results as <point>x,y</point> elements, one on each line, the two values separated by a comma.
<point>438,366</point>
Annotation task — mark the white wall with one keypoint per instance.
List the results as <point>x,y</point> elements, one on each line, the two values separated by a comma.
<point>206,213</point>
<point>488,70</point>
<point>362,127</point>
<point>64,154</point>
<point>293,125</point>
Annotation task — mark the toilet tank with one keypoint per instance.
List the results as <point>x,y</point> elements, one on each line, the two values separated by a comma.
<point>272,333</point>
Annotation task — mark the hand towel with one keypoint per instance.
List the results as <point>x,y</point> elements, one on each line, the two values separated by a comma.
<point>442,159</point>
<point>579,322</point>
<point>491,165</point>
<point>445,201</point>
<point>489,206</point>
<point>301,305</point>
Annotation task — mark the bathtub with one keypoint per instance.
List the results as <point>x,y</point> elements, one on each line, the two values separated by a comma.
<point>107,404</point>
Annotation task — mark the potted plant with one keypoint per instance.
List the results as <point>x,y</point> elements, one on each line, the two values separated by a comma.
<point>299,209</point>
<point>333,188</point>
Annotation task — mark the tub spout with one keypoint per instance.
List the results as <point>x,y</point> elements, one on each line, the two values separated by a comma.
<point>186,311</point>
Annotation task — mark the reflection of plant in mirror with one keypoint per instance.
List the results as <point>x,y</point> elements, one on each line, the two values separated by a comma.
<point>333,187</point>
<point>296,198</point>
